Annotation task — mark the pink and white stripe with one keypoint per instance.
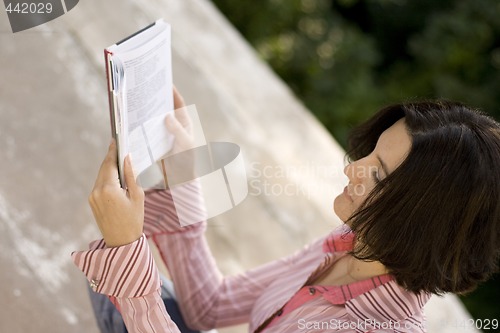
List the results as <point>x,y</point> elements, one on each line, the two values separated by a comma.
<point>210,300</point>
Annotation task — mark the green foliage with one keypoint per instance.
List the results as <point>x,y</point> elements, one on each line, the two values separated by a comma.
<point>326,60</point>
<point>347,58</point>
<point>455,56</point>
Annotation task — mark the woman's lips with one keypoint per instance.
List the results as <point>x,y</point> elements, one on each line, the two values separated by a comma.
<point>346,193</point>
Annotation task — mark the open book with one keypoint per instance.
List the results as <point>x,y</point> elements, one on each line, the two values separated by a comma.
<point>139,75</point>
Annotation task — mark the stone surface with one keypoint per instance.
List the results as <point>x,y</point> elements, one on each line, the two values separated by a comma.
<point>54,130</point>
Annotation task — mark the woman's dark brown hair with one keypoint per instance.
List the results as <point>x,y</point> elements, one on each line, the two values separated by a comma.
<point>434,221</point>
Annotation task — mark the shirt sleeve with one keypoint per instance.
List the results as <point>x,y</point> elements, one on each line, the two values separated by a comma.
<point>174,210</point>
<point>206,298</point>
<point>130,277</point>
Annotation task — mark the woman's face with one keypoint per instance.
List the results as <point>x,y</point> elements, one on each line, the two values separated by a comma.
<point>392,147</point>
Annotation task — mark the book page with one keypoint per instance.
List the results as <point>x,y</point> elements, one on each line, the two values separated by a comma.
<point>147,97</point>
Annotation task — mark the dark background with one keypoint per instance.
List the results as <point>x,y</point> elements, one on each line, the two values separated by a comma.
<point>346,59</point>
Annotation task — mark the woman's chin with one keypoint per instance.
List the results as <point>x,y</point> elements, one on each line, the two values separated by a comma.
<point>340,209</point>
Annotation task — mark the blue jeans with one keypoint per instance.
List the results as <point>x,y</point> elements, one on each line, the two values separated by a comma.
<point>110,320</point>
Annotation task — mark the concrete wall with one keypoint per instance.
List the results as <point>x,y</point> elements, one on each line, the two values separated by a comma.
<point>54,132</point>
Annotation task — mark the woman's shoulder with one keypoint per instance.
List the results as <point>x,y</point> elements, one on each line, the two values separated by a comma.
<point>390,306</point>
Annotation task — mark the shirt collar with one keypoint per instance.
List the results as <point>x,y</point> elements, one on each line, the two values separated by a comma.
<point>388,303</point>
<point>380,298</point>
<point>344,293</point>
<point>339,240</point>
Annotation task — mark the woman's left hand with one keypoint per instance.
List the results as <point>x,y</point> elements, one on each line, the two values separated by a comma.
<point>180,125</point>
<point>119,213</point>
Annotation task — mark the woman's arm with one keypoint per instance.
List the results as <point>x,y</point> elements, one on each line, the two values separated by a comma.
<point>128,275</point>
<point>207,299</point>
<point>121,265</point>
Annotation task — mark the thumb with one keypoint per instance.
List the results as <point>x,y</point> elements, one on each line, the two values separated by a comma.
<point>134,189</point>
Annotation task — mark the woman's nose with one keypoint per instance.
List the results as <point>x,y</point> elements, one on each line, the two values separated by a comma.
<point>346,168</point>
<point>349,171</point>
<point>353,171</point>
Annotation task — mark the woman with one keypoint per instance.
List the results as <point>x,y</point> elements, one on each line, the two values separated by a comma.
<point>421,213</point>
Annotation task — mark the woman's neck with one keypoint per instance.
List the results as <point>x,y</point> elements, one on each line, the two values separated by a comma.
<point>348,269</point>
<point>361,270</point>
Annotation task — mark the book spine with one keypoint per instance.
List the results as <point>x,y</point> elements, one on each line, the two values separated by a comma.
<point>109,82</point>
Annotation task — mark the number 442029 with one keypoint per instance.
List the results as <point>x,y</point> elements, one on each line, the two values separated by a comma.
<point>29,8</point>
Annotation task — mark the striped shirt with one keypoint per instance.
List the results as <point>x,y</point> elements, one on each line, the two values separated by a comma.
<point>275,297</point>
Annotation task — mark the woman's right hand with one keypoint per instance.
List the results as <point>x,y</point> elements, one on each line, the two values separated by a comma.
<point>178,166</point>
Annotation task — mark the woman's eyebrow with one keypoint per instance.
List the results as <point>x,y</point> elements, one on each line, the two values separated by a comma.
<point>384,166</point>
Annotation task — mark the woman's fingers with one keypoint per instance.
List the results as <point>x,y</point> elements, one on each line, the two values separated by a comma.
<point>180,110</point>
<point>179,124</point>
<point>181,134</point>
<point>178,100</point>
<point>118,213</point>
<point>108,172</point>
<point>134,189</point>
